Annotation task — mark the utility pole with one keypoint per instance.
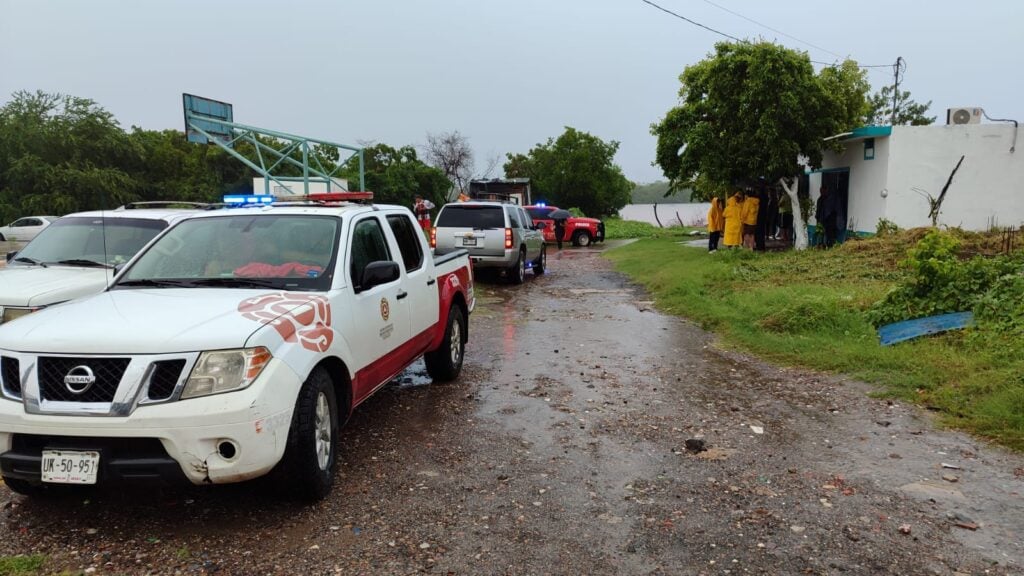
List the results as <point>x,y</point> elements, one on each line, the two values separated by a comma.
<point>898,67</point>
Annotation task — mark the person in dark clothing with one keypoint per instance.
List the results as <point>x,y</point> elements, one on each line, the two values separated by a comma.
<point>559,231</point>
<point>826,215</point>
<point>761,229</point>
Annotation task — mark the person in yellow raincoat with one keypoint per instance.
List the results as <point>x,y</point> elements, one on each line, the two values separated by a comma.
<point>748,215</point>
<point>733,229</point>
<point>716,223</point>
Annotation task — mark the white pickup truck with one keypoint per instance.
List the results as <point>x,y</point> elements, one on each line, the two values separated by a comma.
<point>234,345</point>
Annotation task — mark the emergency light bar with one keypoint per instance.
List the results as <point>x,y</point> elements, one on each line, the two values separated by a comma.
<point>242,199</point>
<point>340,196</point>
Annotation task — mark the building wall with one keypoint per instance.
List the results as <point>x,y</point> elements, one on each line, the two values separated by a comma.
<point>866,203</point>
<point>988,189</point>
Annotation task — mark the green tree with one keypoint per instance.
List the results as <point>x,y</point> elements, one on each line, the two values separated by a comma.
<point>575,170</point>
<point>753,110</point>
<point>396,175</point>
<point>61,153</point>
<point>908,112</point>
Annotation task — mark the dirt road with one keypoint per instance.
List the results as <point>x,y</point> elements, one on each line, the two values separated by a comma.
<point>563,450</point>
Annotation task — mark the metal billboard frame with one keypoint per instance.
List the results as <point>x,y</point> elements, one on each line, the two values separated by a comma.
<point>212,122</point>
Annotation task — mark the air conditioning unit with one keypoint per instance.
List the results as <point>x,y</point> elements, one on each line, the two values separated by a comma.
<point>964,115</point>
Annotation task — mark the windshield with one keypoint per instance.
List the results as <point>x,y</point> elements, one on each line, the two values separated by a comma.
<point>471,216</point>
<point>281,251</point>
<point>540,213</point>
<point>86,241</point>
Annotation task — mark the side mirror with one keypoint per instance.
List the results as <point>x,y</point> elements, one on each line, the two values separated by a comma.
<point>118,268</point>
<point>11,255</point>
<point>377,273</point>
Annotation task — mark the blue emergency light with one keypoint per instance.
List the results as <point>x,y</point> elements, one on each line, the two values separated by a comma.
<point>243,199</point>
<point>542,204</point>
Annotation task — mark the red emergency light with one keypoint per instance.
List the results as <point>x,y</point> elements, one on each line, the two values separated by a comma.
<point>341,196</point>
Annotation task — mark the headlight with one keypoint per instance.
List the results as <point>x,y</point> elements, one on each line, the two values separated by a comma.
<point>15,313</point>
<point>225,371</point>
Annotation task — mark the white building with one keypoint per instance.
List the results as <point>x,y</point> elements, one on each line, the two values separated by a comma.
<point>259,186</point>
<point>887,171</point>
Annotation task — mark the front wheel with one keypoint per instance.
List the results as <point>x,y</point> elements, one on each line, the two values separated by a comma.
<point>541,263</point>
<point>445,363</point>
<point>310,457</point>
<point>582,239</point>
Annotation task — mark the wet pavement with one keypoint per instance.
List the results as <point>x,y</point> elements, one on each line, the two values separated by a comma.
<point>563,449</point>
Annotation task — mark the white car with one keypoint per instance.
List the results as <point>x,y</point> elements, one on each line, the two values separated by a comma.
<point>25,229</point>
<point>76,255</point>
<point>237,342</point>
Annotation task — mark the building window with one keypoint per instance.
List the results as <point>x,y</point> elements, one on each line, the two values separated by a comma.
<point>869,148</point>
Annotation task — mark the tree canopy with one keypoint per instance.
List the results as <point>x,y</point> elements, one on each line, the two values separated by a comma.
<point>396,175</point>
<point>576,170</point>
<point>907,110</point>
<point>62,154</point>
<point>754,110</point>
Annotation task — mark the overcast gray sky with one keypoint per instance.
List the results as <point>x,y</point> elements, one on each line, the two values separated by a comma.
<point>506,73</point>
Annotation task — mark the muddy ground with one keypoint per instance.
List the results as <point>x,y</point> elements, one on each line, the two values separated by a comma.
<point>563,450</point>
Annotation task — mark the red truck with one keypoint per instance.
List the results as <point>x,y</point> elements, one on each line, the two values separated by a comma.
<point>580,231</point>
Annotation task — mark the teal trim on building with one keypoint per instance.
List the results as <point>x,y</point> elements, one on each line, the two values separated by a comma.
<point>870,132</point>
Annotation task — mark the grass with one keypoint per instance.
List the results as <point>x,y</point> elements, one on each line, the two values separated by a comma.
<point>617,228</point>
<point>21,565</point>
<point>807,309</point>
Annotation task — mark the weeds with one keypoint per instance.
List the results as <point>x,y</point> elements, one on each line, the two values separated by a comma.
<point>812,309</point>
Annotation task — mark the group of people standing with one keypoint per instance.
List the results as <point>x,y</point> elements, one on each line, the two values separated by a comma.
<point>749,218</point>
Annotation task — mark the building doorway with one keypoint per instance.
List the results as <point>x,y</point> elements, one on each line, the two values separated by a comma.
<point>838,183</point>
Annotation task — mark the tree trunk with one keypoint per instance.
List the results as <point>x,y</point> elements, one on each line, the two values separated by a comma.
<point>799,223</point>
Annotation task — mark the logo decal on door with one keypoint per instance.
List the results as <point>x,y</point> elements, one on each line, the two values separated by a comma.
<point>302,318</point>
<point>385,309</point>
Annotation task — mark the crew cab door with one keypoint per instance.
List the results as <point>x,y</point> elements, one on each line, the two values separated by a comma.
<point>533,238</point>
<point>420,282</point>
<point>380,313</point>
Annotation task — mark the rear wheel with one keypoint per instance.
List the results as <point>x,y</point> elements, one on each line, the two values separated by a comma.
<point>581,239</point>
<point>541,263</point>
<point>310,457</point>
<point>517,273</point>
<point>2,239</point>
<point>445,363</point>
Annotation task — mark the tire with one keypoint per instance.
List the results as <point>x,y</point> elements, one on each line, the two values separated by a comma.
<point>541,263</point>
<point>581,239</point>
<point>2,239</point>
<point>311,457</point>
<point>445,363</point>
<point>517,273</point>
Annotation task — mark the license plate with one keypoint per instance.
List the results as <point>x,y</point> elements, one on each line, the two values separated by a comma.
<point>70,467</point>
<point>469,241</point>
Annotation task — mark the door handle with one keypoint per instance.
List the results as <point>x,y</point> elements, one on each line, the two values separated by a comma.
<point>431,282</point>
<point>401,294</point>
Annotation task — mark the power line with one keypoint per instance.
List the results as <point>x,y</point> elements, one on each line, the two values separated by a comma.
<point>695,23</point>
<point>731,37</point>
<point>777,31</point>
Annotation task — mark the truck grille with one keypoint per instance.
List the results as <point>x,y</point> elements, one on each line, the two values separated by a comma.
<point>10,371</point>
<point>164,378</point>
<point>108,372</point>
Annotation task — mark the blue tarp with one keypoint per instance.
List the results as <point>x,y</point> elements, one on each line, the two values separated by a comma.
<point>910,329</point>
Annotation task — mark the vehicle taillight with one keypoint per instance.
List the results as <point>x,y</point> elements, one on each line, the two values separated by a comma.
<point>433,237</point>
<point>508,238</point>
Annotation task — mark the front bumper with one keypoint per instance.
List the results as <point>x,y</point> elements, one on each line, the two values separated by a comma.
<point>170,442</point>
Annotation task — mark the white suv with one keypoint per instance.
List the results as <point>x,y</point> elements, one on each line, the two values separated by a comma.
<point>75,256</point>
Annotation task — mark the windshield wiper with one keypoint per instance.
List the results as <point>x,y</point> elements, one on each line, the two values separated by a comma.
<point>238,282</point>
<point>82,262</point>
<point>28,260</point>
<point>158,283</point>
